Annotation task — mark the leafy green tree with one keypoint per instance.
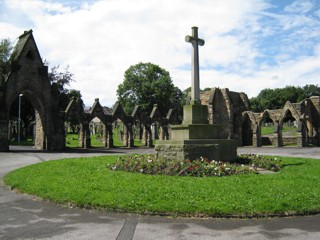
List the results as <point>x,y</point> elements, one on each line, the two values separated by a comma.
<point>276,98</point>
<point>71,95</point>
<point>146,84</point>
<point>311,90</point>
<point>5,52</point>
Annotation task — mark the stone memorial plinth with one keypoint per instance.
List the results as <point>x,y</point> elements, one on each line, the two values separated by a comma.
<point>195,137</point>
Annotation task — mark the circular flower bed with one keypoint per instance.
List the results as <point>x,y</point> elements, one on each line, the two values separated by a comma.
<point>203,167</point>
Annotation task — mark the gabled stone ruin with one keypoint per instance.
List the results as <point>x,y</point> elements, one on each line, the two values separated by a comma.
<point>28,78</point>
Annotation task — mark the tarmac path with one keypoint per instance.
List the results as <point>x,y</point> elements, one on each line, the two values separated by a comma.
<point>27,217</point>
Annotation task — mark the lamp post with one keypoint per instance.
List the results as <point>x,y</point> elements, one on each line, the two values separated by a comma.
<point>19,117</point>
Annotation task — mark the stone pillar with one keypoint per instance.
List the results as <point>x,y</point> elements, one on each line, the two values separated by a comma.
<point>278,141</point>
<point>87,137</point>
<point>81,136</point>
<point>40,139</point>
<point>110,135</point>
<point>317,138</point>
<point>154,130</point>
<point>164,133</point>
<point>256,138</point>
<point>129,135</point>
<point>104,135</point>
<point>4,142</point>
<point>148,135</point>
<point>84,135</point>
<point>302,137</point>
<point>125,136</point>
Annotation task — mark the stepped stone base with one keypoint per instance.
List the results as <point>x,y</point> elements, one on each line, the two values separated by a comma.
<point>213,149</point>
<point>196,138</point>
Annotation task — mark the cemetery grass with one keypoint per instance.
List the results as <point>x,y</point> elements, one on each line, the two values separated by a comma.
<point>88,183</point>
<point>270,130</point>
<point>72,140</point>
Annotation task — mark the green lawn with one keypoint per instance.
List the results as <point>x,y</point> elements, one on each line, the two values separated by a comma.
<point>87,182</point>
<point>72,140</point>
<point>24,142</point>
<point>270,130</point>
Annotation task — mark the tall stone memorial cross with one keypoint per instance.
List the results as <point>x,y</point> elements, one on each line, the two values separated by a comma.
<point>195,79</point>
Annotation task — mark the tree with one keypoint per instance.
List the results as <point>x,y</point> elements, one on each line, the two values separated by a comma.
<point>276,98</point>
<point>5,52</point>
<point>311,90</point>
<point>75,95</point>
<point>60,78</point>
<point>146,84</point>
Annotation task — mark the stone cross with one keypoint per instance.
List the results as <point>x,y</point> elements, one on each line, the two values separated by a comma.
<point>195,87</point>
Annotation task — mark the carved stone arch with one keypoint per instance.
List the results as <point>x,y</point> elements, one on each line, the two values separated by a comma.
<point>273,115</point>
<point>156,120</point>
<point>289,107</point>
<point>97,111</point>
<point>139,120</point>
<point>118,113</point>
<point>287,112</point>
<point>42,116</point>
<point>76,109</point>
<point>29,77</point>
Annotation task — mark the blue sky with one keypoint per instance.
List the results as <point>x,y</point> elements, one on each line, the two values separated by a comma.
<point>250,45</point>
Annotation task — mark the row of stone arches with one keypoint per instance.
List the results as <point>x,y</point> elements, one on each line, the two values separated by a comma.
<point>28,81</point>
<point>304,115</point>
<point>108,117</point>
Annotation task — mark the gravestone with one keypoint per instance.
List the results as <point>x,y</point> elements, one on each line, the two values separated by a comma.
<point>195,137</point>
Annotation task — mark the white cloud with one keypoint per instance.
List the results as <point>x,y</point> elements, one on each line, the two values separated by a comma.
<point>300,6</point>
<point>102,39</point>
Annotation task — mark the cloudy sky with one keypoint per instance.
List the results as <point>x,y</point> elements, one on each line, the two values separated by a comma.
<point>249,44</point>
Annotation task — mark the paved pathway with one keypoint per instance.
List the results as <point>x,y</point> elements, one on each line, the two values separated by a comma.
<point>26,217</point>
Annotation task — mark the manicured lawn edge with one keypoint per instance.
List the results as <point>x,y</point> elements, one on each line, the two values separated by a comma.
<point>87,183</point>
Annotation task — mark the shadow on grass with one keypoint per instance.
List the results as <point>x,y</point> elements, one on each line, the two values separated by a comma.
<point>291,164</point>
<point>114,150</point>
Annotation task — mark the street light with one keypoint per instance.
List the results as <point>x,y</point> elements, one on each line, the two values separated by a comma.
<point>19,117</point>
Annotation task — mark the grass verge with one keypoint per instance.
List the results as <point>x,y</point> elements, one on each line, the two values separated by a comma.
<point>87,182</point>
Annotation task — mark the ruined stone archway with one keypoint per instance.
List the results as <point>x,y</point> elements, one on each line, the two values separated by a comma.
<point>29,77</point>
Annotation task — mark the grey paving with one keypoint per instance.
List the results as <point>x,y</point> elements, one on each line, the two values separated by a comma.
<point>27,217</point>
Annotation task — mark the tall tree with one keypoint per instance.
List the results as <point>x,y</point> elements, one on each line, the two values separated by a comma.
<point>146,84</point>
<point>5,51</point>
